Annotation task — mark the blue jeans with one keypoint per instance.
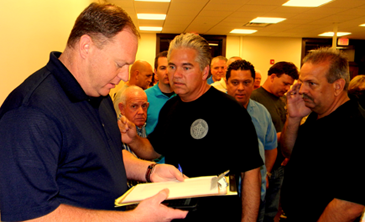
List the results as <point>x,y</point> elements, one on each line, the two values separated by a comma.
<point>273,194</point>
<point>260,217</point>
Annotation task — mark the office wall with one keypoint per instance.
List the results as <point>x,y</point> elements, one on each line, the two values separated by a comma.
<point>260,50</point>
<point>30,30</point>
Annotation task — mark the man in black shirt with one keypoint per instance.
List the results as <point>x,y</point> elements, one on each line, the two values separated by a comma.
<point>202,130</point>
<point>322,178</point>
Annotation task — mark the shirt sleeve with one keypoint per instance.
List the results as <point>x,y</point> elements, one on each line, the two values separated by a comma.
<point>271,140</point>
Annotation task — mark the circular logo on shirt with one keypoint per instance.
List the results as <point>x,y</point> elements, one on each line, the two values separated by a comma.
<point>199,129</point>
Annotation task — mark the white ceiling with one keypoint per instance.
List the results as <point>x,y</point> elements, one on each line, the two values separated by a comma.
<point>219,17</point>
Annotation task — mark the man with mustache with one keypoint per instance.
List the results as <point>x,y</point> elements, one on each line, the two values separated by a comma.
<point>326,153</point>
<point>202,130</point>
<point>271,94</point>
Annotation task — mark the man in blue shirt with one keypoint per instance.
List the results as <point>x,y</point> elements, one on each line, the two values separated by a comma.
<point>240,84</point>
<point>61,154</point>
<point>159,93</point>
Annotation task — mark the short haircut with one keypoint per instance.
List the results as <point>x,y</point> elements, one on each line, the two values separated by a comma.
<point>281,68</point>
<point>100,22</point>
<point>339,67</point>
<point>196,42</point>
<point>123,97</point>
<point>240,65</point>
<point>161,54</point>
<point>218,58</point>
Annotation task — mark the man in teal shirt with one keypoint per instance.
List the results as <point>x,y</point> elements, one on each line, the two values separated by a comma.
<point>159,93</point>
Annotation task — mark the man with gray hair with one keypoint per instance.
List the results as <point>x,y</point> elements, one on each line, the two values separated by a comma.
<point>218,68</point>
<point>133,105</point>
<point>202,137</point>
<point>326,153</point>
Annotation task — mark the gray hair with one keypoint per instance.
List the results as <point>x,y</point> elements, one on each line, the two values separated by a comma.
<point>123,97</point>
<point>218,58</point>
<point>192,41</point>
<point>339,67</point>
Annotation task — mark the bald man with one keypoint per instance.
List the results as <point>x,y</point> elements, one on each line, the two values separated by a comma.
<point>140,75</point>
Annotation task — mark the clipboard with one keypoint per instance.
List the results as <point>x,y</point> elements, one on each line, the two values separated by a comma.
<point>189,188</point>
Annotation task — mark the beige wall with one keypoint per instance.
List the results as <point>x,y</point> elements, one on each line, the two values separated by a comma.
<point>260,50</point>
<point>30,30</point>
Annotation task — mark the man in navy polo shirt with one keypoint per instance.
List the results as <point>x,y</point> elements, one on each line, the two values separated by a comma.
<point>61,152</point>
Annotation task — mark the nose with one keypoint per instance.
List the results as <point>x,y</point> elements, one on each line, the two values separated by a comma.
<point>287,88</point>
<point>302,89</point>
<point>123,73</point>
<point>177,73</point>
<point>140,110</point>
<point>240,86</point>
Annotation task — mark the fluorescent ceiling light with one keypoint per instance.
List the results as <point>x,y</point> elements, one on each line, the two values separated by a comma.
<point>152,0</point>
<point>332,34</point>
<point>150,28</point>
<point>306,3</point>
<point>267,20</point>
<point>151,16</point>
<point>362,25</point>
<point>243,31</point>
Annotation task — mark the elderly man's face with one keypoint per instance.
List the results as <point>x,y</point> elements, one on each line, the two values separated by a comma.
<point>218,69</point>
<point>135,108</point>
<point>186,78</point>
<point>318,94</point>
<point>240,86</point>
<point>106,66</point>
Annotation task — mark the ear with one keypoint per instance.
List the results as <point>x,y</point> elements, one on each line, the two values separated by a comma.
<point>156,77</point>
<point>136,75</point>
<point>205,72</point>
<point>148,104</point>
<point>339,86</point>
<point>84,45</point>
<point>272,77</point>
<point>121,108</point>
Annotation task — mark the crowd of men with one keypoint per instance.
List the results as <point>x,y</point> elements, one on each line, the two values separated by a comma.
<point>68,150</point>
